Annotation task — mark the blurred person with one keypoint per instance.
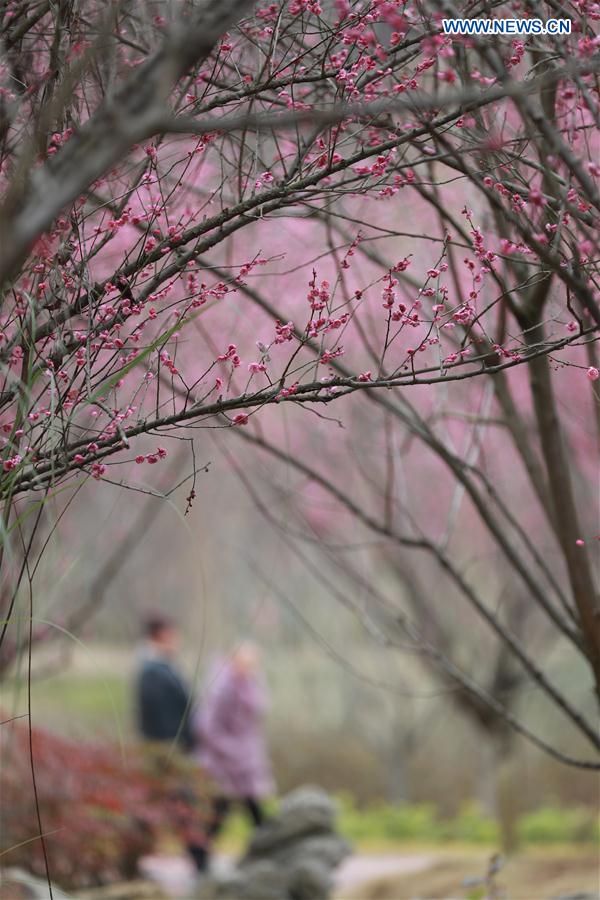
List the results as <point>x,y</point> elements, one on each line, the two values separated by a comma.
<point>163,704</point>
<point>163,700</point>
<point>229,731</point>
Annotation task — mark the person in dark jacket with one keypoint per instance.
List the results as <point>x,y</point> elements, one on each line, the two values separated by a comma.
<point>163,700</point>
<point>163,704</point>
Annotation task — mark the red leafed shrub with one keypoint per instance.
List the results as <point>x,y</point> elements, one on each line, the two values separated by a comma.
<point>101,809</point>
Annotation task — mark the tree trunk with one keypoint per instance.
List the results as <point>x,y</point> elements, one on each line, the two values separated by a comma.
<point>566,516</point>
<point>498,792</point>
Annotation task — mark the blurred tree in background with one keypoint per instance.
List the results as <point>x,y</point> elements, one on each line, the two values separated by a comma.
<point>345,268</point>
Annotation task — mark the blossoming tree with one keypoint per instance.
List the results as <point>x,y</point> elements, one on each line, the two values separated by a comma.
<point>213,210</point>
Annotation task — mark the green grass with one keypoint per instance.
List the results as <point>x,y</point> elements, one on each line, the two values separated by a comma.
<point>383,826</point>
<point>386,824</point>
<point>82,707</point>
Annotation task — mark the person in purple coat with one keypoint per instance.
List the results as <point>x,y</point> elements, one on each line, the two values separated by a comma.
<point>228,727</point>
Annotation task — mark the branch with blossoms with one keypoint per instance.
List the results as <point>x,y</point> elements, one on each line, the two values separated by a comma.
<point>148,159</point>
<point>124,117</point>
<point>41,469</point>
<point>336,114</point>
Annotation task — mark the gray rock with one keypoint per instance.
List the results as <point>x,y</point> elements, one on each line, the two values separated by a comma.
<point>328,849</point>
<point>307,810</point>
<point>309,800</point>
<point>310,879</point>
<point>292,857</point>
<point>262,880</point>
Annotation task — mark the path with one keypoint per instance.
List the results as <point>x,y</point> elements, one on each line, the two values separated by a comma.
<point>175,874</point>
<point>365,867</point>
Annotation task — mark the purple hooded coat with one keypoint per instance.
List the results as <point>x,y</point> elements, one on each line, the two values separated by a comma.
<point>228,727</point>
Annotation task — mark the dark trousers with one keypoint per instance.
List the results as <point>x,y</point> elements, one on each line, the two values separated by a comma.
<point>221,807</point>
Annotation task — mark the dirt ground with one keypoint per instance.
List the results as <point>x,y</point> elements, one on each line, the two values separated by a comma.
<point>536,876</point>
